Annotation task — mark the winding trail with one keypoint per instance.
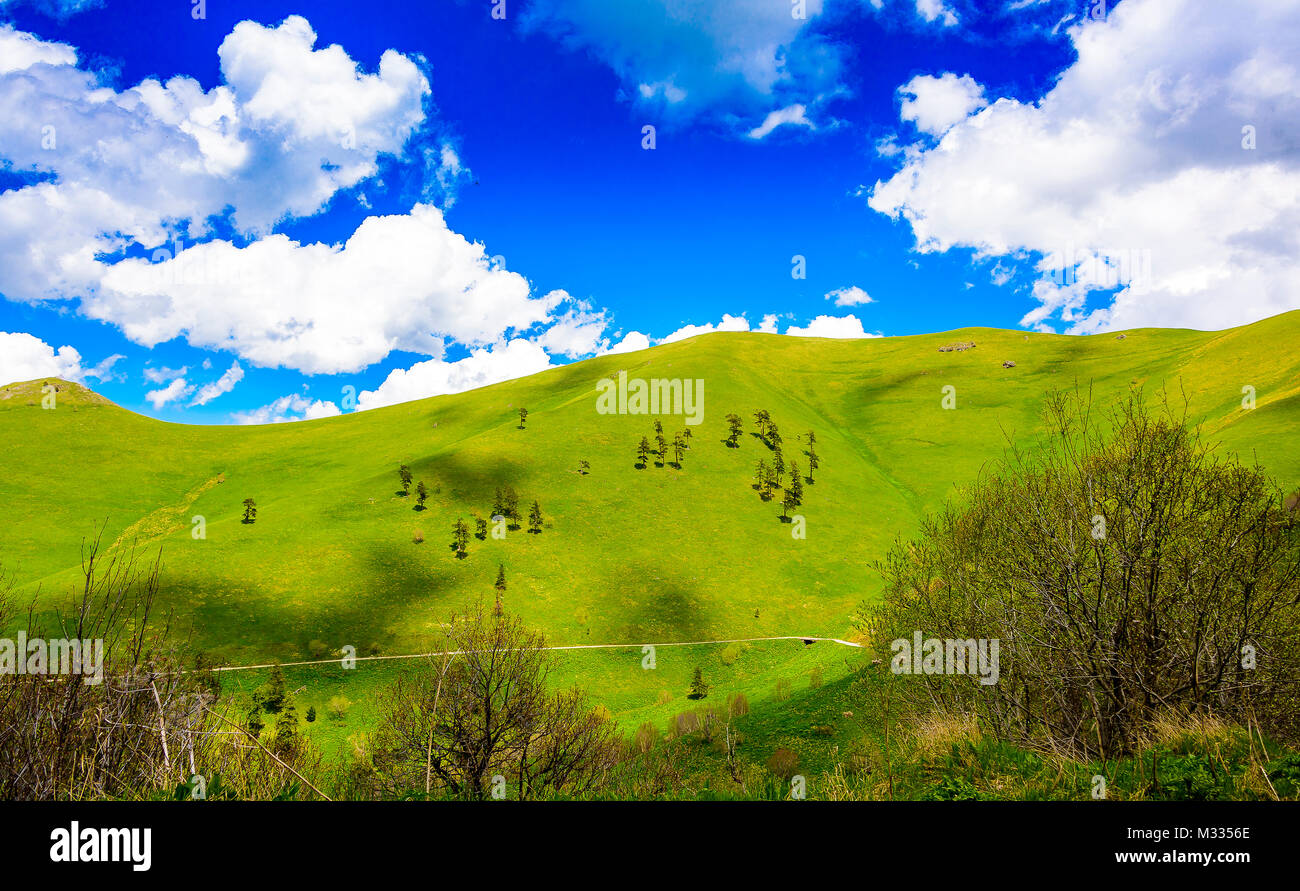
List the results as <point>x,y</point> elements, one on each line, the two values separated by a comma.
<point>614,646</point>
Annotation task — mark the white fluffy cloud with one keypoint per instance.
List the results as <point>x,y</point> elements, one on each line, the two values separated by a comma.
<point>1138,156</point>
<point>287,128</point>
<point>728,323</point>
<point>633,342</point>
<point>174,392</point>
<point>287,408</point>
<point>936,10</point>
<point>935,104</point>
<point>842,327</point>
<point>435,377</point>
<point>24,357</point>
<point>850,296</point>
<point>578,332</point>
<point>401,282</point>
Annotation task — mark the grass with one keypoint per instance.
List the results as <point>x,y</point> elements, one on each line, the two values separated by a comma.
<point>627,555</point>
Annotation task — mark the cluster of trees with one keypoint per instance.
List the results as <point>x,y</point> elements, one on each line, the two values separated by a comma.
<point>767,477</point>
<point>274,699</point>
<point>681,443</point>
<point>505,508</point>
<point>421,491</point>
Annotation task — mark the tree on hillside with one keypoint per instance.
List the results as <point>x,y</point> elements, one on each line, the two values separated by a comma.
<point>813,461</point>
<point>250,510</point>
<point>687,435</point>
<point>523,416</point>
<point>679,448</point>
<point>643,453</point>
<point>760,476</point>
<point>1129,571</point>
<point>506,504</point>
<point>421,495</point>
<point>447,727</point>
<point>535,518</point>
<point>500,590</point>
<point>584,467</point>
<point>404,474</point>
<point>793,492</point>
<point>287,739</point>
<point>778,458</point>
<point>273,695</point>
<point>762,419</point>
<point>480,528</point>
<point>737,427</point>
<point>460,537</point>
<point>699,689</point>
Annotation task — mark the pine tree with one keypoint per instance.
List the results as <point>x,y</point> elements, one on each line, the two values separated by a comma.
<point>737,425</point>
<point>274,697</point>
<point>661,444</point>
<point>778,459</point>
<point>699,689</point>
<point>510,506</point>
<point>480,528</point>
<point>643,453</point>
<point>404,474</point>
<point>679,446</point>
<point>523,416</point>
<point>421,495</point>
<point>250,510</point>
<point>762,420</point>
<point>535,518</point>
<point>793,492</point>
<point>287,737</point>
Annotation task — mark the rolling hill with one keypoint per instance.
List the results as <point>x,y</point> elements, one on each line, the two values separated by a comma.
<point>627,555</point>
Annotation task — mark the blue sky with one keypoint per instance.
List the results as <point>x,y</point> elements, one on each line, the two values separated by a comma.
<point>264,209</point>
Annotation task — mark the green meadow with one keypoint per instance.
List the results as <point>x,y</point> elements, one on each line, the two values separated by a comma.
<point>626,555</point>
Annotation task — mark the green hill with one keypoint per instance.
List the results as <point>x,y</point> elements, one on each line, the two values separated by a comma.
<point>627,555</point>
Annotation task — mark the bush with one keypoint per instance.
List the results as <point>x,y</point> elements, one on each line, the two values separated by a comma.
<point>647,735</point>
<point>338,707</point>
<point>784,763</point>
<point>1120,572</point>
<point>417,537</point>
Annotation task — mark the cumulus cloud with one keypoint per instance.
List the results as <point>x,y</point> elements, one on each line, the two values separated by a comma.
<point>935,104</point>
<point>288,127</point>
<point>685,57</point>
<point>24,357</point>
<point>435,377</point>
<point>842,327</point>
<point>287,408</point>
<point>631,343</point>
<point>578,332</point>
<point>1171,146</point>
<point>936,10</point>
<point>850,296</point>
<point>728,323</point>
<point>174,392</point>
<point>400,282</point>
<point>224,384</point>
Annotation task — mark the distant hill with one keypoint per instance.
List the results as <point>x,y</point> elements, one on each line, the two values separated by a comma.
<point>627,554</point>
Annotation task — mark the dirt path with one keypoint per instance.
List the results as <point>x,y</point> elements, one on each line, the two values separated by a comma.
<point>617,646</point>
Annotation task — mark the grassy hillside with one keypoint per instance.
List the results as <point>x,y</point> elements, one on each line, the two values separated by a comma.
<point>627,555</point>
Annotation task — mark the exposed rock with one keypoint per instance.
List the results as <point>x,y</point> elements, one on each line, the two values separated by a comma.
<point>1008,364</point>
<point>957,346</point>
